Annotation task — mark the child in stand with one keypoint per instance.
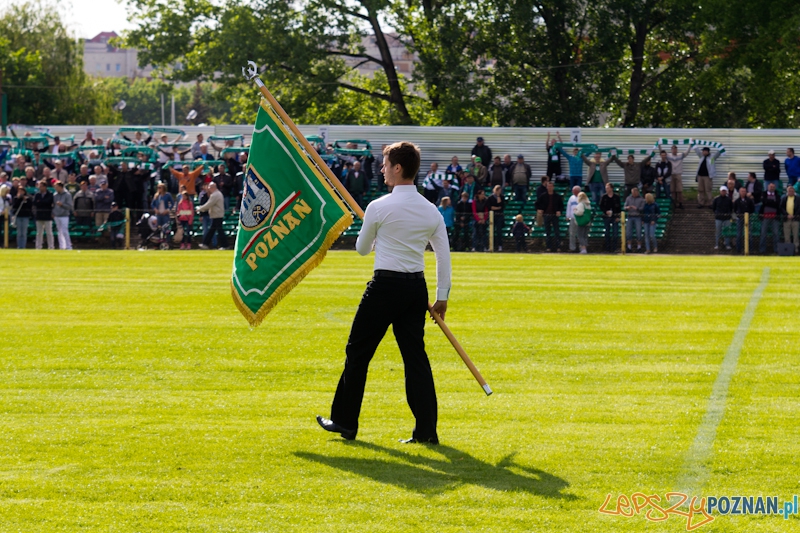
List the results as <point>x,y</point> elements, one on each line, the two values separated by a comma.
<point>448,213</point>
<point>519,230</point>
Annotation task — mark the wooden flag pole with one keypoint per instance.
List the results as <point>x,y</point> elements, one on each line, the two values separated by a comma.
<point>252,74</point>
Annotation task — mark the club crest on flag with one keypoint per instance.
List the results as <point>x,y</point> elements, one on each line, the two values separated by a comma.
<point>257,201</point>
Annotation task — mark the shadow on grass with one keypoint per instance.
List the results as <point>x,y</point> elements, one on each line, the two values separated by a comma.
<point>455,468</point>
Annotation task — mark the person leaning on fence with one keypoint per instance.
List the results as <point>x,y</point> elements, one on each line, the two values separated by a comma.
<point>597,174</point>
<point>463,223</point>
<point>43,212</point>
<point>116,225</point>
<point>62,209</point>
<point>792,164</point>
<point>582,215</point>
<point>633,172</point>
<point>520,230</point>
<point>550,206</point>
<point>744,205</point>
<point>790,211</point>
<point>572,227</point>
<point>723,209</point>
<point>706,172</point>
<point>497,205</point>
<point>103,199</point>
<point>185,214</point>
<point>770,218</point>
<point>633,219</point>
<point>772,169</point>
<point>650,214</point>
<point>480,214</point>
<point>21,212</point>
<point>611,208</point>
<point>663,175</point>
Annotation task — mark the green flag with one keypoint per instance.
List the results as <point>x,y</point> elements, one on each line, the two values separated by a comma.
<point>288,219</point>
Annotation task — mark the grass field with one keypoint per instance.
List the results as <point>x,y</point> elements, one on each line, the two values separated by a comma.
<point>134,397</point>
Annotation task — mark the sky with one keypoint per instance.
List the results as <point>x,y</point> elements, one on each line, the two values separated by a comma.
<point>87,18</point>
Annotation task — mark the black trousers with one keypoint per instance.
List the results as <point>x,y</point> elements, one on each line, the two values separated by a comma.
<point>216,228</point>
<point>403,303</point>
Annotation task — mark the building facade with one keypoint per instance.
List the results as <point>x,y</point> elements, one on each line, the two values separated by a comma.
<point>103,59</point>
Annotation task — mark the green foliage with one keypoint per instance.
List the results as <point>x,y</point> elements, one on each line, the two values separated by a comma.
<point>134,397</point>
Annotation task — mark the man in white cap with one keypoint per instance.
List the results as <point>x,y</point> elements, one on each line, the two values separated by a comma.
<point>723,208</point>
<point>772,169</point>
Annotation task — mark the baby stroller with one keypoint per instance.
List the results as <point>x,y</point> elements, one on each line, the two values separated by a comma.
<point>151,232</point>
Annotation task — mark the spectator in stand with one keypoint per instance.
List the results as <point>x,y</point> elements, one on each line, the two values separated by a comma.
<point>754,190</point>
<point>648,178</point>
<point>706,172</point>
<point>650,214</point>
<point>224,182</point>
<point>633,173</point>
<point>597,175</point>
<point>215,207</point>
<point>733,185</point>
<point>550,206</point>
<point>497,174</point>
<point>186,218</point>
<point>432,183</point>
<point>772,169</point>
<point>83,203</point>
<point>770,215</point>
<point>43,211</point>
<point>4,204</point>
<point>572,226</point>
<point>19,169</point>
<point>93,186</point>
<point>634,204</point>
<point>84,174</point>
<point>482,151</point>
<point>62,209</point>
<point>22,210</point>
<point>454,168</point>
<point>30,175</point>
<point>480,172</point>
<point>357,184</point>
<point>463,223</point>
<point>553,158</point>
<point>790,209</point>
<point>103,199</point>
<point>43,173</point>
<point>448,214</point>
<point>542,188</point>
<point>676,183</point>
<point>740,207</point>
<point>480,213</point>
<point>58,173</point>
<point>72,185</point>
<point>205,219</point>
<point>187,178</point>
<point>497,205</point>
<point>575,166</point>
<point>447,192</point>
<point>520,176</point>
<point>792,164</point>
<point>582,214</point>
<point>663,175</point>
<point>723,209</point>
<point>196,147</point>
<point>520,230</point>
<point>162,204</point>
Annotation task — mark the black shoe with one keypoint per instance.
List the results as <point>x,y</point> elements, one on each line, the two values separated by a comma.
<point>330,425</point>
<point>412,440</point>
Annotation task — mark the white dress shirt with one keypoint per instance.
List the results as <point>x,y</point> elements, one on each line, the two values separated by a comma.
<point>399,226</point>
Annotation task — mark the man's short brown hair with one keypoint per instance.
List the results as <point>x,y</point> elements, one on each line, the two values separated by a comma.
<point>406,155</point>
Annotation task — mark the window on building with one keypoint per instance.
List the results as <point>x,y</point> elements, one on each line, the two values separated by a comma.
<point>119,67</point>
<point>108,67</point>
<point>99,66</point>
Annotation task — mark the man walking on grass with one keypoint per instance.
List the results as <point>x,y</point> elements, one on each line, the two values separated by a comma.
<point>398,227</point>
